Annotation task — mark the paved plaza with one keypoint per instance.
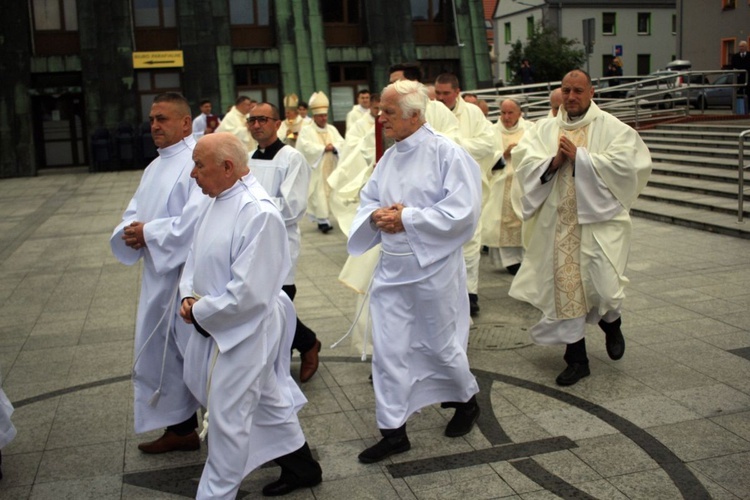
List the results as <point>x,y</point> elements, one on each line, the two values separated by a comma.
<point>669,420</point>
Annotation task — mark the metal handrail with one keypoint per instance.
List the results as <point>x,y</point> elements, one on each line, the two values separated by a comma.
<point>741,173</point>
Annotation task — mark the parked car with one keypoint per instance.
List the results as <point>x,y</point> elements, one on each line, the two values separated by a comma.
<point>664,85</point>
<point>715,96</point>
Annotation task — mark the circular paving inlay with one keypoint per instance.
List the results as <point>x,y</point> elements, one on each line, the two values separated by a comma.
<point>498,337</point>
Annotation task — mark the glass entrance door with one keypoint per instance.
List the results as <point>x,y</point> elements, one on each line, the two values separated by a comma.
<point>60,137</point>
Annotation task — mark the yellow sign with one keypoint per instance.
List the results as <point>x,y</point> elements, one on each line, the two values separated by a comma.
<point>165,59</point>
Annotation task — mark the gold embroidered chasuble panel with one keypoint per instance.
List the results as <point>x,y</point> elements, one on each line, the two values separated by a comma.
<point>328,162</point>
<point>570,301</point>
<point>510,224</point>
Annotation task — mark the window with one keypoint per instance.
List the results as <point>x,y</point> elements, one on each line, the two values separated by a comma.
<point>341,22</point>
<point>644,64</point>
<point>249,12</point>
<point>644,23</point>
<point>609,25</point>
<point>250,23</point>
<point>55,27</point>
<point>727,50</point>
<point>431,21</point>
<point>530,26</point>
<point>155,25</point>
<point>346,80</point>
<point>258,82</point>
<point>154,82</point>
<point>427,10</point>
<point>508,36</point>
<point>154,13</point>
<point>674,24</point>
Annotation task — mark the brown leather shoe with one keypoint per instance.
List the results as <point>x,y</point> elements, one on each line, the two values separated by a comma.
<point>169,441</point>
<point>309,363</point>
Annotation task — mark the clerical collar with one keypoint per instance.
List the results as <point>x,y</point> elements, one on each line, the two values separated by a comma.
<point>268,153</point>
<point>576,119</point>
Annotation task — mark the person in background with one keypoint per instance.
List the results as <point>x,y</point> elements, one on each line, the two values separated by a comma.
<point>741,60</point>
<point>555,101</point>
<point>288,130</point>
<point>285,175</point>
<point>205,123</point>
<point>235,122</point>
<point>302,109</point>
<point>358,110</point>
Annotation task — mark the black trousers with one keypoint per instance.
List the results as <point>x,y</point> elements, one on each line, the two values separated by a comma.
<point>304,338</point>
<point>186,427</point>
<point>576,353</point>
<point>299,467</point>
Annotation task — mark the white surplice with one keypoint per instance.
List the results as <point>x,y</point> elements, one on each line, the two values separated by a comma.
<point>611,169</point>
<point>286,178</point>
<point>169,202</point>
<point>501,222</point>
<point>311,142</point>
<point>241,372</point>
<point>419,305</point>
<point>7,429</point>
<point>235,123</point>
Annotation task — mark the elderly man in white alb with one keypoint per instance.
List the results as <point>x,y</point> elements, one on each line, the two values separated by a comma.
<point>237,357</point>
<point>422,203</point>
<point>320,142</point>
<point>476,136</point>
<point>579,175</point>
<point>501,224</point>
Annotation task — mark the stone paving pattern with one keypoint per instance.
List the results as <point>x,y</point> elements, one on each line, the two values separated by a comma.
<point>669,420</point>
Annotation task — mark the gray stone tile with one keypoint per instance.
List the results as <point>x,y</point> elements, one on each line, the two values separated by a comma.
<point>339,461</point>
<point>519,482</point>
<point>573,423</point>
<point>651,410</point>
<point>319,402</point>
<point>81,462</point>
<point>730,471</point>
<point>330,428</point>
<point>19,470</point>
<point>475,482</point>
<point>613,455</point>
<point>94,488</point>
<point>33,423</point>
<point>738,423</point>
<point>699,439</point>
<point>15,493</point>
<point>647,485</point>
<point>567,466</point>
<point>713,400</point>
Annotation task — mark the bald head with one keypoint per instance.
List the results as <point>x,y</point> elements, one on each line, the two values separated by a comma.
<point>577,93</point>
<point>555,101</point>
<point>220,161</point>
<point>510,113</point>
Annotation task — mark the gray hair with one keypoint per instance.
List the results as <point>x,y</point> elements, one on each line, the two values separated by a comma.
<point>229,147</point>
<point>412,97</point>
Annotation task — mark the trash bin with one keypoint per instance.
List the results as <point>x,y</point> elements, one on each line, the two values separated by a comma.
<point>741,106</point>
<point>101,150</point>
<point>146,147</point>
<point>125,144</point>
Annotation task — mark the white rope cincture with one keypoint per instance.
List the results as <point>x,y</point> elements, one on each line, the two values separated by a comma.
<point>204,423</point>
<point>154,399</point>
<point>365,302</point>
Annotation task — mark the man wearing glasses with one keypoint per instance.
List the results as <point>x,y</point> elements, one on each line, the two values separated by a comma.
<point>285,175</point>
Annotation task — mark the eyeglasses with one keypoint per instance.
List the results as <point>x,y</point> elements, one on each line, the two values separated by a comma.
<point>260,119</point>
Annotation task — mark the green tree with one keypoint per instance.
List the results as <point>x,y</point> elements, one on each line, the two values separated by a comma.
<point>551,56</point>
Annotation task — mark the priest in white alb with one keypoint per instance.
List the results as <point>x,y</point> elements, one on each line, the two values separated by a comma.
<point>501,222</point>
<point>237,357</point>
<point>422,203</point>
<point>579,174</point>
<point>157,227</point>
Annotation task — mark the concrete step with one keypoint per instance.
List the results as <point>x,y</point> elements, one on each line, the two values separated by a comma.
<point>693,187</point>
<point>691,141</point>
<point>706,202</point>
<point>693,151</point>
<point>658,155</point>
<point>696,218</point>
<point>708,173</point>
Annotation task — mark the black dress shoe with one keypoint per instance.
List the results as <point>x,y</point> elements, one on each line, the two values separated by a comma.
<point>324,228</point>
<point>464,419</point>
<point>615,341</point>
<point>473,304</point>
<point>385,448</point>
<point>573,373</point>
<point>283,487</point>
